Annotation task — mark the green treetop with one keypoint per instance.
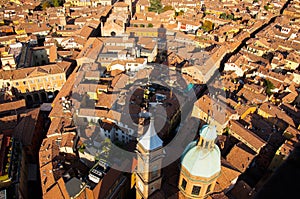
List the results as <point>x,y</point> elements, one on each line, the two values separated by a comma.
<point>155,6</point>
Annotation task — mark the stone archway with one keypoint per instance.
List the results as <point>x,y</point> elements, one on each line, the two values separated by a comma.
<point>36,97</point>
<point>29,99</point>
<point>50,96</point>
<point>43,97</point>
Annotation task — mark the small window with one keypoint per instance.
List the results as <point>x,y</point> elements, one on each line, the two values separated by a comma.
<point>17,83</point>
<point>196,190</point>
<point>208,188</point>
<point>183,184</point>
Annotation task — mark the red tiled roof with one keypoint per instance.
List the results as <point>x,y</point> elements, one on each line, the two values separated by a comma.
<point>246,136</point>
<point>217,110</point>
<point>54,192</point>
<point>12,105</point>
<point>26,127</point>
<point>276,112</point>
<point>240,156</point>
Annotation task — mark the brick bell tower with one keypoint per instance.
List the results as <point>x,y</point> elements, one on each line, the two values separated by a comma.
<point>149,156</point>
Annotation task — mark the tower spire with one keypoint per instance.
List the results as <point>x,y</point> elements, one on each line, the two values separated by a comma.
<point>150,140</point>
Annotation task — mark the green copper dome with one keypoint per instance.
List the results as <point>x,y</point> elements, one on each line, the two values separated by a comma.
<point>202,161</point>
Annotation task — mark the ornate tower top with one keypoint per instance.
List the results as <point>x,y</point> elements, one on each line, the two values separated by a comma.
<point>203,158</point>
<point>200,160</point>
<point>150,140</point>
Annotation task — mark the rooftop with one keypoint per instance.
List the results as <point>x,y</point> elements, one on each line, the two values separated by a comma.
<point>150,140</point>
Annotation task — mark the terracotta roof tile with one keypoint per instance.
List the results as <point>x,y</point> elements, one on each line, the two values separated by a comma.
<point>252,96</point>
<point>216,109</point>
<point>47,178</point>
<point>246,136</point>
<point>242,190</point>
<point>23,73</point>
<point>101,190</point>
<point>228,176</point>
<point>54,192</point>
<point>294,134</point>
<point>276,112</point>
<point>12,105</point>
<point>26,127</point>
<point>63,188</point>
<point>240,156</point>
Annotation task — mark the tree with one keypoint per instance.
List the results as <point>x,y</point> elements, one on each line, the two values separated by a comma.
<point>150,25</point>
<point>207,26</point>
<point>142,25</point>
<point>56,3</point>
<point>227,16</point>
<point>81,148</point>
<point>46,5</point>
<point>231,16</point>
<point>181,12</point>
<point>223,15</point>
<point>266,7</point>
<point>269,86</point>
<point>106,146</point>
<point>155,6</point>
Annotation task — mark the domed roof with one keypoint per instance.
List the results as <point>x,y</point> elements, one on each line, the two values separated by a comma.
<point>187,148</point>
<point>208,132</point>
<point>201,161</point>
